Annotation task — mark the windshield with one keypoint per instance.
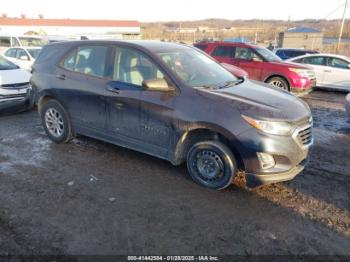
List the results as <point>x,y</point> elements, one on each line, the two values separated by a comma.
<point>6,65</point>
<point>267,54</point>
<point>32,41</point>
<point>196,69</point>
<point>34,52</point>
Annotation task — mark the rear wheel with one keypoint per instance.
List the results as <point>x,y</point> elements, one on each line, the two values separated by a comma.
<point>278,82</point>
<point>56,122</point>
<point>211,164</point>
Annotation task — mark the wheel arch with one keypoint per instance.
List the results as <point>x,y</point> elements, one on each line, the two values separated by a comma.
<point>202,133</point>
<point>277,75</point>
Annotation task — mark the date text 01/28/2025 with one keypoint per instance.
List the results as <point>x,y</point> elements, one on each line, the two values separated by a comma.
<point>173,258</point>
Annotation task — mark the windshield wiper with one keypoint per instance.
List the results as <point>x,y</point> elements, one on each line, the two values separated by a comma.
<point>232,83</point>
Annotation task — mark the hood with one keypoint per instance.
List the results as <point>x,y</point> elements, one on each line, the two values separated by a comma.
<point>261,101</point>
<point>14,76</point>
<point>290,64</point>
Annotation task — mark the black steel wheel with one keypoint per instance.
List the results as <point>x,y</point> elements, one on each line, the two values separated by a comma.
<point>211,164</point>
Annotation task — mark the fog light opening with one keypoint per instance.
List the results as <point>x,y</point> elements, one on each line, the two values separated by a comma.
<point>266,160</point>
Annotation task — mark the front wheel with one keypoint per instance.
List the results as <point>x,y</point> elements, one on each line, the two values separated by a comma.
<point>279,83</point>
<point>211,164</point>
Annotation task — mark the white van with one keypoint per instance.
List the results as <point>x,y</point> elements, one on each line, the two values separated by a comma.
<point>7,41</point>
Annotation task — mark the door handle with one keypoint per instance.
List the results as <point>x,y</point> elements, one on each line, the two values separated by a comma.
<point>113,89</point>
<point>328,71</point>
<point>62,77</point>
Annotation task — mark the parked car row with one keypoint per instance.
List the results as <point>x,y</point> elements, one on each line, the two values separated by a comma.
<point>307,68</point>
<point>262,65</point>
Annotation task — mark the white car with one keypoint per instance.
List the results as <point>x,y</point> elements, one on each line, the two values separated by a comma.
<point>22,56</point>
<point>16,93</point>
<point>332,71</point>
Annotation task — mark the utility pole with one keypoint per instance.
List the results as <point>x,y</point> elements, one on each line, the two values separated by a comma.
<point>342,27</point>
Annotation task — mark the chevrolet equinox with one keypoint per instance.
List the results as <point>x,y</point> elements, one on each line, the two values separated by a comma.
<point>174,102</point>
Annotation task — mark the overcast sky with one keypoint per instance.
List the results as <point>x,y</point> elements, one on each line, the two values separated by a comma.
<point>166,10</point>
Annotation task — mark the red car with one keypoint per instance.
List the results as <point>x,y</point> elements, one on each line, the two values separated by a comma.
<point>236,71</point>
<point>262,65</point>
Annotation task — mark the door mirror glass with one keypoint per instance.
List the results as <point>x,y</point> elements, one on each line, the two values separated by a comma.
<point>158,84</point>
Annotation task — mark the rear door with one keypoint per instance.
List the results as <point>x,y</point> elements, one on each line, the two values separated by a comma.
<point>80,83</point>
<point>224,54</point>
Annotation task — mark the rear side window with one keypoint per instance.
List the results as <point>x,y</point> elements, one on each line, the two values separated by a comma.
<point>11,52</point>
<point>201,47</point>
<point>224,51</point>
<point>89,60</point>
<point>317,60</point>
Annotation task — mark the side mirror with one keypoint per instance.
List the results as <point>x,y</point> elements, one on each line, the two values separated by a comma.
<point>157,85</point>
<point>23,57</point>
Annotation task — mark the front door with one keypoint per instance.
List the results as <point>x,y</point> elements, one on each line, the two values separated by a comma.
<point>337,73</point>
<point>248,60</point>
<point>141,116</point>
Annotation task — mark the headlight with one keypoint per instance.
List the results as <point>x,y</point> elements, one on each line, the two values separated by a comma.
<point>270,127</point>
<point>299,71</point>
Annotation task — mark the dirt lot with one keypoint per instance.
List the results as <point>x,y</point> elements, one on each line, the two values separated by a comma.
<point>89,197</point>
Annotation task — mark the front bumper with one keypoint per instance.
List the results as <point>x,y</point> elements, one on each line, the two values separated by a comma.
<point>13,100</point>
<point>290,154</point>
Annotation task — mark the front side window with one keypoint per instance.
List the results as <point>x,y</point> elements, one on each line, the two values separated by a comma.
<point>195,69</point>
<point>34,52</point>
<point>89,60</point>
<point>224,51</point>
<point>317,60</point>
<point>21,54</point>
<point>133,67</point>
<point>338,63</point>
<point>245,53</point>
<point>201,47</point>
<point>267,54</point>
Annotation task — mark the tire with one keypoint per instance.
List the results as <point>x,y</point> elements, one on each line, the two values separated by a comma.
<point>56,122</point>
<point>278,82</point>
<point>211,164</point>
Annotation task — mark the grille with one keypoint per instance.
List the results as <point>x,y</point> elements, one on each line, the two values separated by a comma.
<point>16,86</point>
<point>305,136</point>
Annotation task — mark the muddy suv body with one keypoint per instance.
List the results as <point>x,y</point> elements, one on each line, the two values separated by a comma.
<point>173,102</point>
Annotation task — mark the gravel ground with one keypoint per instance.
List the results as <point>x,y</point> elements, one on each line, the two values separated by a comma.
<point>90,197</point>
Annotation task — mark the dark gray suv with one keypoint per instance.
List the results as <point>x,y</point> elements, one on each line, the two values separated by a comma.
<point>174,102</point>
